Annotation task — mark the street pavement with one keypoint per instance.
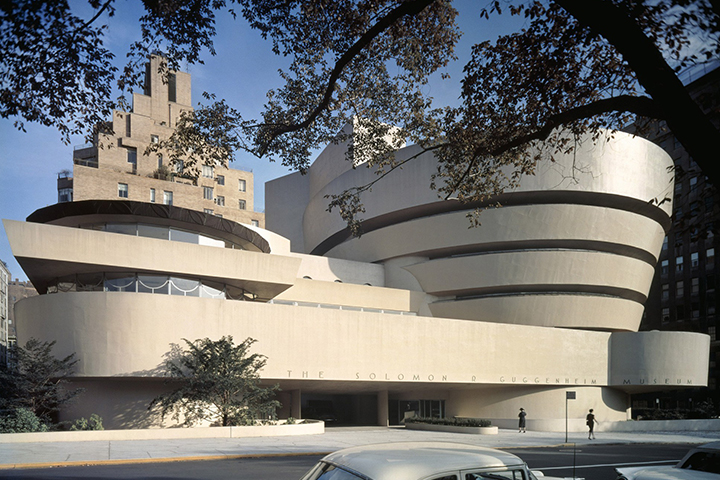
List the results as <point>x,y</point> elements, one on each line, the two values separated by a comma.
<point>48,454</point>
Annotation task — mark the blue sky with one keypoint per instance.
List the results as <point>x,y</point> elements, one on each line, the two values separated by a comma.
<point>241,72</point>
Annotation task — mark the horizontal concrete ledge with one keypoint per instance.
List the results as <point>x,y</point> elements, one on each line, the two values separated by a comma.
<point>579,425</point>
<point>452,428</point>
<point>704,425</point>
<point>314,427</point>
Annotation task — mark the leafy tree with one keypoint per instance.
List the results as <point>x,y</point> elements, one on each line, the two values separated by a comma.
<point>574,68</point>
<point>218,381</point>
<point>36,380</point>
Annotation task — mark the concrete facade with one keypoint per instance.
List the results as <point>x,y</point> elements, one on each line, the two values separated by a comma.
<point>116,166</point>
<point>419,315</point>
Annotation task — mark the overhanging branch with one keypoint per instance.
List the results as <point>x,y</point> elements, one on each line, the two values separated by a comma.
<point>688,122</point>
<point>405,8</point>
<point>643,106</point>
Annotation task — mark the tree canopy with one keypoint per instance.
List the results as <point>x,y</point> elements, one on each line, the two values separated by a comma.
<point>37,381</point>
<point>576,67</point>
<point>217,381</point>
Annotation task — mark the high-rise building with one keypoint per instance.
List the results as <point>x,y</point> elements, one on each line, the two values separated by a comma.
<point>116,167</point>
<point>684,292</point>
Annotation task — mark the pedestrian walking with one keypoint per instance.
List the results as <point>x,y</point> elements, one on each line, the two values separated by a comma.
<point>590,420</point>
<point>521,422</point>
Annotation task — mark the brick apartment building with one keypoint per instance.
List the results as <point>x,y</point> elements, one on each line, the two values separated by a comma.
<point>115,166</point>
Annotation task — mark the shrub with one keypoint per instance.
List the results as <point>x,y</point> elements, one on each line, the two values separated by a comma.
<point>22,420</point>
<point>95,423</point>
<point>456,422</point>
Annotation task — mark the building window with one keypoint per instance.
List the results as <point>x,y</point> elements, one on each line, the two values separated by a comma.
<point>132,159</point>
<point>711,332</point>
<point>152,195</point>
<point>711,309</point>
<point>160,160</point>
<point>207,171</point>
<point>694,234</point>
<point>679,289</point>
<point>221,179</point>
<point>678,213</point>
<point>678,264</point>
<point>665,291</point>
<point>241,185</point>
<point>208,210</point>
<point>241,204</point>
<point>710,283</point>
<point>65,195</point>
<point>167,197</point>
<point>664,267</point>
<point>179,166</point>
<point>694,259</point>
<point>154,139</point>
<point>665,315</point>
<point>694,208</point>
<point>255,223</point>
<point>678,188</point>
<point>710,256</point>
<point>123,190</point>
<point>665,244</point>
<point>695,286</point>
<point>172,87</point>
<point>695,311</point>
<point>693,184</point>
<point>220,200</point>
<point>208,193</point>
<point>680,313</point>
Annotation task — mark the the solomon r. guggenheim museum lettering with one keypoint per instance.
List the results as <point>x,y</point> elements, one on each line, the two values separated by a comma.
<point>415,377</point>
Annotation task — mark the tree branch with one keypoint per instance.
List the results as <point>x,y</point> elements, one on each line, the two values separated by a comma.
<point>384,174</point>
<point>89,22</point>
<point>685,118</point>
<point>405,8</point>
<point>643,106</point>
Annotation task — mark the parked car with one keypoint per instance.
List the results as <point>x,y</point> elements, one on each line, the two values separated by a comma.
<point>421,461</point>
<point>700,463</point>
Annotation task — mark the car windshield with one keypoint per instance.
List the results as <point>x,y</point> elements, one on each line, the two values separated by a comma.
<point>497,475</point>
<point>326,471</point>
<point>704,462</point>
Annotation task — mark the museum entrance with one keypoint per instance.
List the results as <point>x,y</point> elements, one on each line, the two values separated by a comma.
<point>399,410</point>
<point>337,410</point>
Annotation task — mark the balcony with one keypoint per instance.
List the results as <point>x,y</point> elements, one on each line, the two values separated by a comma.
<point>86,162</point>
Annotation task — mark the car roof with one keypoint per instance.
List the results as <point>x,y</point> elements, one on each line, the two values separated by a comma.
<point>416,460</point>
<point>709,446</point>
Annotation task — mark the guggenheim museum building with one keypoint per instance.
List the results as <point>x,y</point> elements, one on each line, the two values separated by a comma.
<point>420,315</point>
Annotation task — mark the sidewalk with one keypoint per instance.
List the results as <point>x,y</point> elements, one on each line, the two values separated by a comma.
<point>47,454</point>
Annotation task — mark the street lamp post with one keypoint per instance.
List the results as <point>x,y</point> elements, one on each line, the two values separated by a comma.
<point>569,395</point>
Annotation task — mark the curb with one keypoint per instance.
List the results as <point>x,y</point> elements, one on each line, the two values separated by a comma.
<point>82,463</point>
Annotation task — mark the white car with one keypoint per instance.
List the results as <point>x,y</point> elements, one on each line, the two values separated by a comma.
<point>421,461</point>
<point>700,463</point>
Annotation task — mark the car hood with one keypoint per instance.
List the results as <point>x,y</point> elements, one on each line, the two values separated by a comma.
<point>665,473</point>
